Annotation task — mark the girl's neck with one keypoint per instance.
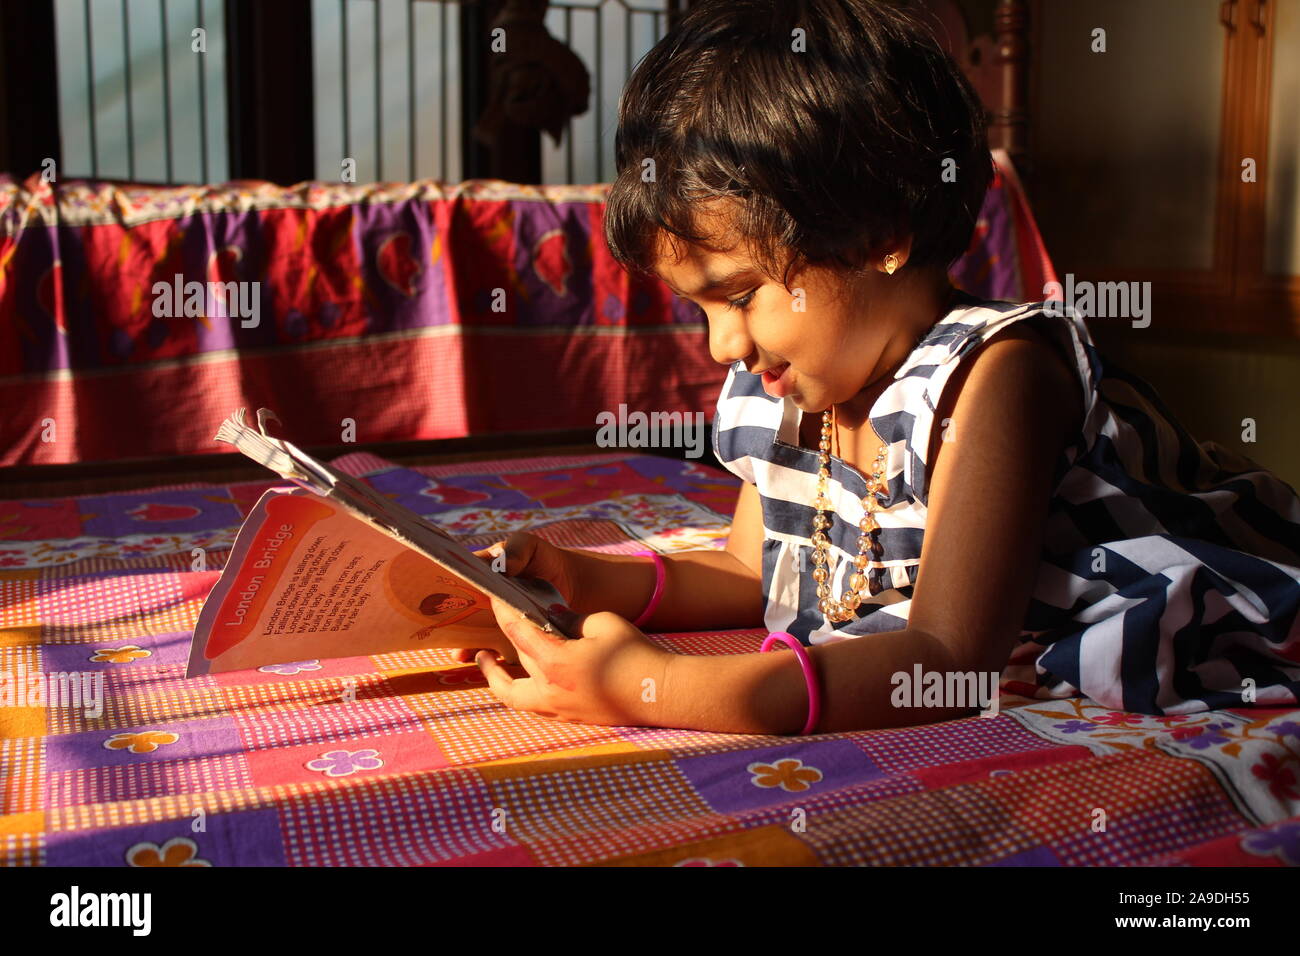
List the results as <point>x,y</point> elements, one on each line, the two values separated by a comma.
<point>925,299</point>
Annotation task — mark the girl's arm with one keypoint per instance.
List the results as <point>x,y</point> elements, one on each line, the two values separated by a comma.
<point>1013,407</point>
<point>703,590</point>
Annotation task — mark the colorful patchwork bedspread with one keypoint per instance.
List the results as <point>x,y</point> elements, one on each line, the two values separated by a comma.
<point>422,765</point>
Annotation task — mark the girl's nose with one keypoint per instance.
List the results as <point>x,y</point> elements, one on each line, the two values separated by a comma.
<point>729,340</point>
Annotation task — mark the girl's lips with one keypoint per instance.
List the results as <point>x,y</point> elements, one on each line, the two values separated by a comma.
<point>776,381</point>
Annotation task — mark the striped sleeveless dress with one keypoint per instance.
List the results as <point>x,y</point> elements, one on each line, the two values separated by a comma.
<point>1170,570</point>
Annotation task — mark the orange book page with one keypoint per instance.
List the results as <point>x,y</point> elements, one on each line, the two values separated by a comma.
<point>307,581</point>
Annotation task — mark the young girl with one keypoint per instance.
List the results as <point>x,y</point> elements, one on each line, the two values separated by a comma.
<point>934,485</point>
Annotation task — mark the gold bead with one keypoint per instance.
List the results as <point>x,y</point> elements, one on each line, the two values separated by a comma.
<point>860,582</point>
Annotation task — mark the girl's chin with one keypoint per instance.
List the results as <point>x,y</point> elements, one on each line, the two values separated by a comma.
<point>810,407</point>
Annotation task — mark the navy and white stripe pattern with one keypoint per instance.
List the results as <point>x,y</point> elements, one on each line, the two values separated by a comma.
<point>1170,569</point>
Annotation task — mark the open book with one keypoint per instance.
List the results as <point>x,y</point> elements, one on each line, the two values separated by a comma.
<point>332,568</point>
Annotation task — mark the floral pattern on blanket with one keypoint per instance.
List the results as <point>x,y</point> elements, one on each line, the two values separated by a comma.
<point>1257,752</point>
<point>346,761</point>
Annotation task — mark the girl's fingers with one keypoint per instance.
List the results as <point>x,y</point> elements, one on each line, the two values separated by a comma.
<point>517,693</point>
<point>525,554</point>
<point>517,548</point>
<point>491,551</point>
<point>466,655</point>
<point>499,682</point>
<point>528,639</point>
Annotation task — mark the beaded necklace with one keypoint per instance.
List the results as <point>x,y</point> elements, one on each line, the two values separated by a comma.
<point>868,540</point>
<point>860,586</point>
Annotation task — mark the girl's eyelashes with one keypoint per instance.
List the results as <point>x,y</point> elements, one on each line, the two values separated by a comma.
<point>743,302</point>
<point>732,304</point>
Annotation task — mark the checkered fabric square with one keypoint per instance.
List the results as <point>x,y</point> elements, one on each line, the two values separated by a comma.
<point>408,758</point>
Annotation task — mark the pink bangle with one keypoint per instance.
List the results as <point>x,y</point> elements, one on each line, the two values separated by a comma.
<point>814,699</point>
<point>659,586</point>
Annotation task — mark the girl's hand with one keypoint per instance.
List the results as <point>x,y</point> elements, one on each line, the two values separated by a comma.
<point>527,555</point>
<point>610,675</point>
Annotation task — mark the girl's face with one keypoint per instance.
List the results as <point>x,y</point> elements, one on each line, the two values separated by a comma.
<point>824,341</point>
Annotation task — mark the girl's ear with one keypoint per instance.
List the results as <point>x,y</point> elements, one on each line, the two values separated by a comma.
<point>894,255</point>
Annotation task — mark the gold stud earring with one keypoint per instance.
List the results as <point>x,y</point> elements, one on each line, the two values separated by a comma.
<point>891,263</point>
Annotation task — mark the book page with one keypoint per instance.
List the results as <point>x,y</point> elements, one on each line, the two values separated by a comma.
<point>306,580</point>
<point>531,598</point>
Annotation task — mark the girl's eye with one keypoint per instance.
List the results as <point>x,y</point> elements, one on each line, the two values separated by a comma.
<point>742,303</point>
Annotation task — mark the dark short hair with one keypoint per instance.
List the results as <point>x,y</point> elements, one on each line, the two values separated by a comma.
<point>828,154</point>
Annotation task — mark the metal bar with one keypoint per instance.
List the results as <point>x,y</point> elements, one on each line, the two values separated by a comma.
<point>90,91</point>
<point>203,101</point>
<point>442,80</point>
<point>347,125</point>
<point>410,90</point>
<point>568,146</point>
<point>600,100</point>
<point>126,76</point>
<point>167,91</point>
<point>379,102</point>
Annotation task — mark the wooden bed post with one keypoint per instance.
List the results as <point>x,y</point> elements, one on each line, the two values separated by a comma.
<point>995,60</point>
<point>1009,115</point>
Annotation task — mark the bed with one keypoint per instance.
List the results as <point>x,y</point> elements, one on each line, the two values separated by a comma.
<point>407,758</point>
<point>418,764</point>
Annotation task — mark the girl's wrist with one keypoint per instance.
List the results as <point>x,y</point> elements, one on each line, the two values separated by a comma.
<point>620,583</point>
<point>661,575</point>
